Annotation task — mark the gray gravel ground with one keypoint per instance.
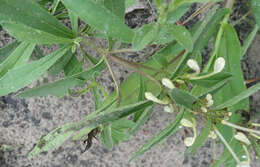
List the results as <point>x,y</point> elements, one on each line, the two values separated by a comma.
<point>23,122</point>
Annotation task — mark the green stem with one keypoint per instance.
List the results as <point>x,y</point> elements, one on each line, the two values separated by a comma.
<point>115,81</point>
<point>240,127</point>
<point>227,145</point>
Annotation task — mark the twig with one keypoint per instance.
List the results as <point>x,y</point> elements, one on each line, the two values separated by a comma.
<point>115,81</point>
<point>200,10</point>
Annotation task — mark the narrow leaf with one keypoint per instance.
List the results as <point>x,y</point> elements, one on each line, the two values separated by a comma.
<point>7,50</point>
<point>19,57</point>
<point>234,100</point>
<point>249,40</point>
<point>115,114</point>
<point>182,36</point>
<point>182,98</point>
<point>21,76</point>
<point>201,139</point>
<point>15,13</point>
<point>142,119</point>
<point>94,15</point>
<point>143,36</point>
<point>162,135</point>
<point>52,140</point>
<point>60,88</point>
<point>117,7</point>
<point>212,80</point>
<point>255,5</point>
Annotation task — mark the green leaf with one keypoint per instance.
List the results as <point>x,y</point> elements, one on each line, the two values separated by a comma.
<point>94,15</point>
<point>60,88</point>
<point>201,139</point>
<point>182,36</point>
<point>60,65</point>
<point>182,98</point>
<point>177,13</point>
<point>73,66</point>
<point>82,134</point>
<point>242,95</point>
<point>19,57</point>
<point>142,119</point>
<point>129,3</point>
<point>97,98</point>
<point>53,139</point>
<point>123,124</point>
<point>255,5</point>
<point>106,136</point>
<point>256,146</point>
<point>202,35</point>
<point>117,113</point>
<point>28,34</point>
<point>21,76</point>
<point>249,40</point>
<point>117,7</point>
<point>7,50</point>
<point>143,36</point>
<point>233,65</point>
<point>141,97</point>
<point>162,135</point>
<point>74,22</point>
<point>32,24</point>
<point>212,80</point>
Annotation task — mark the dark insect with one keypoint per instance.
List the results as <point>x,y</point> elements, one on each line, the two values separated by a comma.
<point>92,134</point>
<point>244,115</point>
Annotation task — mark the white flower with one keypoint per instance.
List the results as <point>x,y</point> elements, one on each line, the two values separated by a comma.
<point>168,83</point>
<point>193,65</point>
<point>242,137</point>
<point>219,65</point>
<point>203,109</point>
<point>243,164</point>
<point>188,141</point>
<point>186,123</point>
<point>229,114</point>
<point>150,96</point>
<point>212,135</point>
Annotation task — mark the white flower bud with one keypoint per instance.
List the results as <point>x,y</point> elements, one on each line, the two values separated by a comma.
<point>150,96</point>
<point>212,135</point>
<point>242,137</point>
<point>186,123</point>
<point>219,65</point>
<point>167,109</point>
<point>188,141</point>
<point>203,109</point>
<point>193,65</point>
<point>229,114</point>
<point>243,164</point>
<point>209,99</point>
<point>168,83</point>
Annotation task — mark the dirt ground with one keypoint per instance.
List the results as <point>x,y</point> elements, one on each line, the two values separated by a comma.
<point>24,121</point>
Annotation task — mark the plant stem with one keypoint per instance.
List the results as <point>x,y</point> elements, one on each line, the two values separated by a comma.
<point>247,153</point>
<point>240,127</point>
<point>200,10</point>
<point>133,67</point>
<point>227,145</point>
<point>242,18</point>
<point>115,81</point>
<point>121,51</point>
